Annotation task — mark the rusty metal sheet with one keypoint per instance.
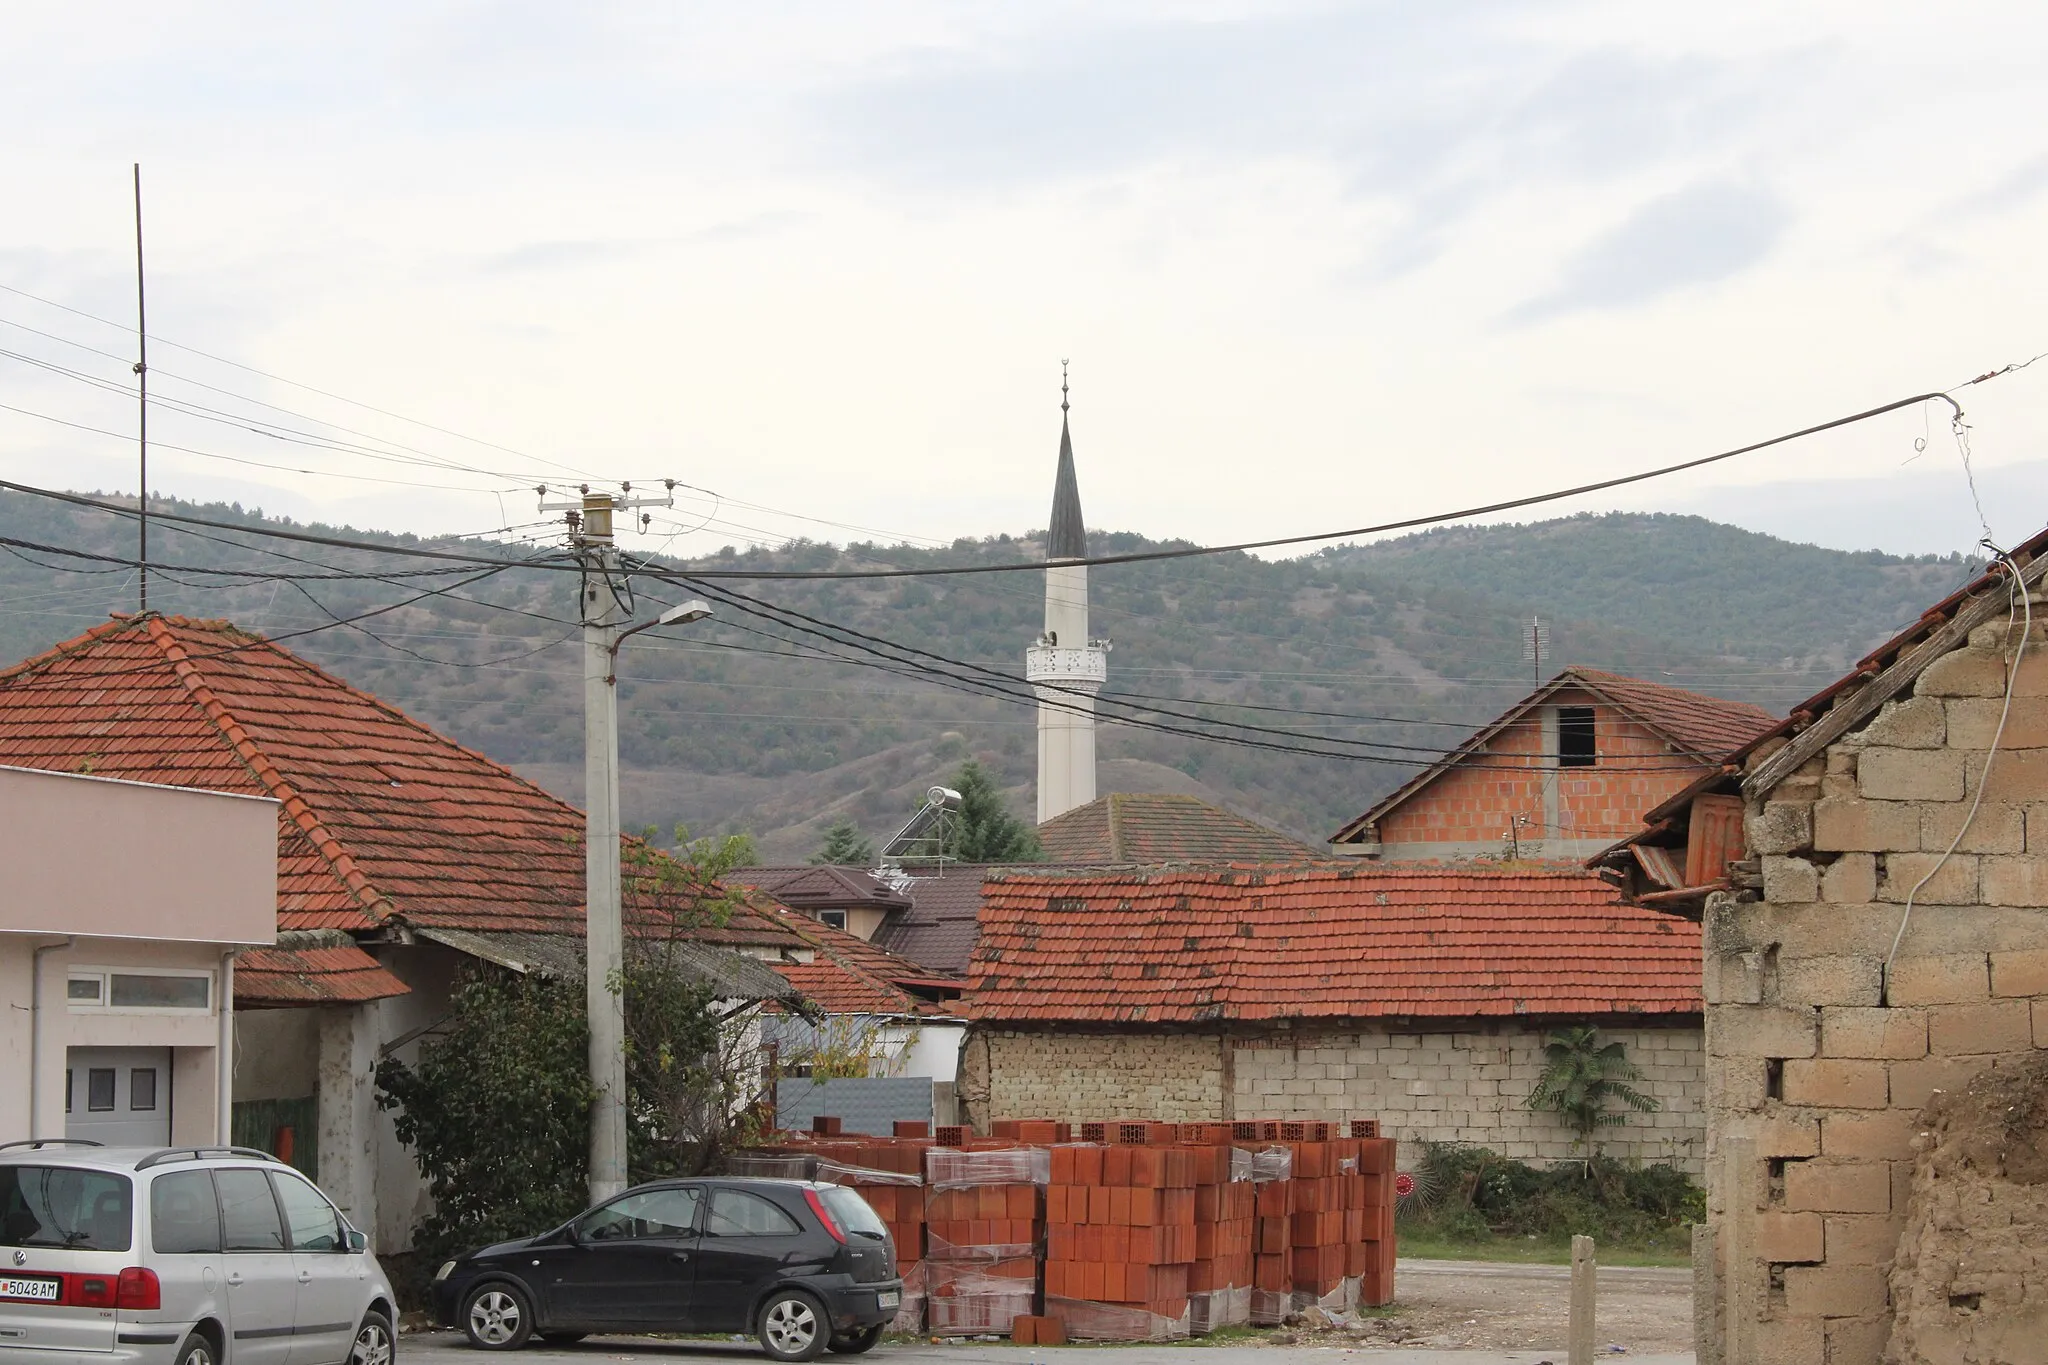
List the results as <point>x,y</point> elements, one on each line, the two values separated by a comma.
<point>1714,839</point>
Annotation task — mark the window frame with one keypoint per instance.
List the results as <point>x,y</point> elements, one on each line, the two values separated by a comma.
<point>1578,721</point>
<point>154,1091</point>
<point>104,1004</point>
<point>796,1226</point>
<point>278,1181</point>
<point>284,1233</point>
<point>213,1201</point>
<point>113,1104</point>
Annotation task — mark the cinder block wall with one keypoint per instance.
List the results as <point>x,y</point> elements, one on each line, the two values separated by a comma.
<point>1467,1084</point>
<point>1809,1054</point>
<point>1471,1084</point>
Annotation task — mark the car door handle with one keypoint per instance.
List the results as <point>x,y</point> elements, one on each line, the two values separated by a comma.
<point>235,1278</point>
<point>305,1277</point>
<point>679,1255</point>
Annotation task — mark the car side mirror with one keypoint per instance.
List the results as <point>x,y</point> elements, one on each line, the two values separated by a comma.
<point>358,1241</point>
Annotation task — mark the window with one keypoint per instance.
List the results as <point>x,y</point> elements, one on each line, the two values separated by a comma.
<point>1575,747</point>
<point>834,919</point>
<point>99,1089</point>
<point>183,1219</point>
<point>310,1219</point>
<point>84,990</point>
<point>142,1088</point>
<point>735,1213</point>
<point>650,1213</point>
<point>68,1075</point>
<point>854,1213</point>
<point>134,990</point>
<point>56,1206</point>
<point>248,1212</point>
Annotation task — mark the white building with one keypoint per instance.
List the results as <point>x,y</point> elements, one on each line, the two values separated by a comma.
<point>1065,667</point>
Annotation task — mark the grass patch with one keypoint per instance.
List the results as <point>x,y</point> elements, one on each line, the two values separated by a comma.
<point>1523,1251</point>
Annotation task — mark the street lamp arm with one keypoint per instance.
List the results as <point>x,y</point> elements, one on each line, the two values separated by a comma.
<point>680,614</point>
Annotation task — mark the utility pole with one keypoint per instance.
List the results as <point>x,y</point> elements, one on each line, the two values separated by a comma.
<point>605,607</point>
<point>1535,639</point>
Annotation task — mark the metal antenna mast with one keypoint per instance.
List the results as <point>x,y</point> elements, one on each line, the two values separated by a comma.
<point>141,402</point>
<point>1535,640</point>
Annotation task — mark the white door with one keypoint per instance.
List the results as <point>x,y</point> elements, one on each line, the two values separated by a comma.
<point>118,1096</point>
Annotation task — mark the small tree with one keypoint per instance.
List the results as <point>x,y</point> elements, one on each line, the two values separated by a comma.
<point>846,846</point>
<point>985,831</point>
<point>1580,1075</point>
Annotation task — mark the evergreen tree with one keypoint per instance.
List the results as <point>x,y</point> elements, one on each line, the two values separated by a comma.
<point>984,830</point>
<point>845,845</point>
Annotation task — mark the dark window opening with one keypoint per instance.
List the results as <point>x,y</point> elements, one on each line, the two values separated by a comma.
<point>142,1088</point>
<point>1575,747</point>
<point>99,1089</point>
<point>833,919</point>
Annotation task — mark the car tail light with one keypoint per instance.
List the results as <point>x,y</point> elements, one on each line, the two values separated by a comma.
<point>825,1216</point>
<point>139,1289</point>
<point>92,1291</point>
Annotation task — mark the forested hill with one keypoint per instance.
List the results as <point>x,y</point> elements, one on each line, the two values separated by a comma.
<point>735,723</point>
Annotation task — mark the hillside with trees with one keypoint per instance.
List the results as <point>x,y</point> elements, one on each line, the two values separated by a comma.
<point>1372,657</point>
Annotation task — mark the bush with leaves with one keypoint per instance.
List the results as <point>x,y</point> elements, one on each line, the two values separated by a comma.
<point>1473,1194</point>
<point>1581,1075</point>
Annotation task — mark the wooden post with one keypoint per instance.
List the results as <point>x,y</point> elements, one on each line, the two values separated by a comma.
<point>1741,1197</point>
<point>1583,1276</point>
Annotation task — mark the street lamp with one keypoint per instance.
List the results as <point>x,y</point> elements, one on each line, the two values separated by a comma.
<point>681,614</point>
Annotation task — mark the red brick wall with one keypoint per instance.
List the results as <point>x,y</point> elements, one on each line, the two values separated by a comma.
<point>1474,801</point>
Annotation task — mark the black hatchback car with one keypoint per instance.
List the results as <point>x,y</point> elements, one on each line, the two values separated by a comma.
<point>804,1267</point>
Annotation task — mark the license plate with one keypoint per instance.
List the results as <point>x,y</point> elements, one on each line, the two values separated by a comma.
<point>888,1298</point>
<point>45,1291</point>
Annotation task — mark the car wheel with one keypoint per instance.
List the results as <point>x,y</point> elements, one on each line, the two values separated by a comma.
<point>562,1338</point>
<point>793,1326</point>
<point>374,1344</point>
<point>197,1349</point>
<point>497,1317</point>
<point>854,1343</point>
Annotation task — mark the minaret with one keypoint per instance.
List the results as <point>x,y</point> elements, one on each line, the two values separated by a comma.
<point>1065,666</point>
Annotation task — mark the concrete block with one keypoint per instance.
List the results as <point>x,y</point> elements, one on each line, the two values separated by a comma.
<point>1879,1135</point>
<point>1854,825</point>
<point>1954,979</point>
<point>2041,1023</point>
<point>2015,881</point>
<point>1996,828</point>
<point>1831,980</point>
<point>1892,1034</point>
<point>1825,1186</point>
<point>1850,880</point>
<point>1837,1083</point>
<point>1793,1138</point>
<point>2017,777</point>
<point>1953,881</point>
<point>2031,678</point>
<point>1790,881</point>
<point>1788,1341</point>
<point>1862,1238</point>
<point>1916,723</point>
<point>1790,1237</point>
<point>1964,673</point>
<point>1832,1291</point>
<point>1914,1083</point>
<point>1910,775</point>
<point>1973,721</point>
<point>1968,1030</point>
<point>1780,827</point>
<point>1763,1031</point>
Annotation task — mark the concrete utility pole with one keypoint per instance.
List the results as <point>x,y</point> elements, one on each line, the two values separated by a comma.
<point>605,609</point>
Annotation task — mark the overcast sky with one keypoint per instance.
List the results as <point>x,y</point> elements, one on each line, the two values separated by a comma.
<point>1315,265</point>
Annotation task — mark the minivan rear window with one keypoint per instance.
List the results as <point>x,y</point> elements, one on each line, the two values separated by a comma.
<point>62,1206</point>
<point>853,1212</point>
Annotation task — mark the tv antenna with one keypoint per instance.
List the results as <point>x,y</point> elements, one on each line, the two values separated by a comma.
<point>1535,642</point>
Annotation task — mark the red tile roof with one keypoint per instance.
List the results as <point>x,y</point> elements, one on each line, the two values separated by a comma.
<point>849,975</point>
<point>1191,945</point>
<point>1157,827</point>
<point>1698,726</point>
<point>335,975</point>
<point>382,817</point>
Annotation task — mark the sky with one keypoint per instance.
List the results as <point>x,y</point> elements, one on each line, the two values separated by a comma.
<point>1314,266</point>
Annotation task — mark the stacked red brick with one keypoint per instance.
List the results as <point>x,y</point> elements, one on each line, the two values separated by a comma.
<point>1326,1218</point>
<point>1120,1234</point>
<point>983,1231</point>
<point>1220,1281</point>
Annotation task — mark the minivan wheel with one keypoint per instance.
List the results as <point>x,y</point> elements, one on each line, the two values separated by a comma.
<point>373,1344</point>
<point>196,1349</point>
<point>793,1326</point>
<point>496,1317</point>
<point>854,1343</point>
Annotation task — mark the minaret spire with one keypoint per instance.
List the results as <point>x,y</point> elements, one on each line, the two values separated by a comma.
<point>1065,665</point>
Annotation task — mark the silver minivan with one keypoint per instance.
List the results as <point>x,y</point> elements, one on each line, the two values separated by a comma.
<point>180,1256</point>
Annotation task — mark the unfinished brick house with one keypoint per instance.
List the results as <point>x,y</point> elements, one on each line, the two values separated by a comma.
<point>1560,775</point>
<point>1884,940</point>
<point>1419,995</point>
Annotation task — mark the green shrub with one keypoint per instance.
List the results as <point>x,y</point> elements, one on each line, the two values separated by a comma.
<point>1472,1194</point>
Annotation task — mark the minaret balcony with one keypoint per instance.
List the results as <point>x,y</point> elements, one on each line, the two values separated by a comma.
<point>1079,667</point>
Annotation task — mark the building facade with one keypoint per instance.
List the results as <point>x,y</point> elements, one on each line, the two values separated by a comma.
<point>120,968</point>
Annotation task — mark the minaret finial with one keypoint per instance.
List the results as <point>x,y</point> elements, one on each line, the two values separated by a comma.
<point>1063,386</point>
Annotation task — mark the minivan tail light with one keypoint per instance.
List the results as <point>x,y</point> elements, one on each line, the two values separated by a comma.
<point>825,1216</point>
<point>92,1291</point>
<point>139,1289</point>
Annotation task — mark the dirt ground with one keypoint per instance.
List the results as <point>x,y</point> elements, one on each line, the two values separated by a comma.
<point>1491,1305</point>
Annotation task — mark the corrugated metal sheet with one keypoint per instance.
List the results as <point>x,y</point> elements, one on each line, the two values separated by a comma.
<point>1660,864</point>
<point>869,1104</point>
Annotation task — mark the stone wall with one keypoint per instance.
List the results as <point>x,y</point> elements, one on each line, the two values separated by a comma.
<point>1819,1060</point>
<point>1468,1083</point>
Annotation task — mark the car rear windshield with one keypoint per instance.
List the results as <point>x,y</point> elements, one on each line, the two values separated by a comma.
<point>62,1206</point>
<point>853,1212</point>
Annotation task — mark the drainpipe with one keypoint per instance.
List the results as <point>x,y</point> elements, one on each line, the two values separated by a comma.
<point>224,1052</point>
<point>35,1038</point>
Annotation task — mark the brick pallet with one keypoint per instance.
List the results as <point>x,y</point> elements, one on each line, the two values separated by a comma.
<point>1121,1239</point>
<point>984,1226</point>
